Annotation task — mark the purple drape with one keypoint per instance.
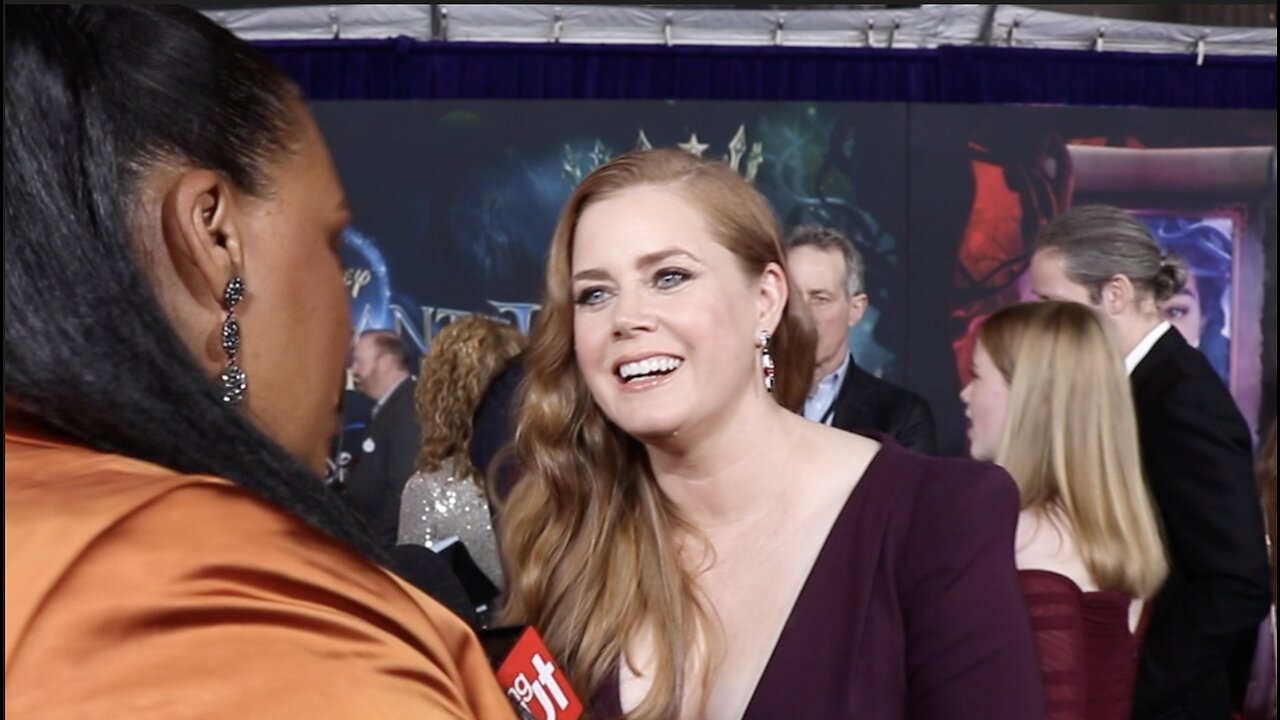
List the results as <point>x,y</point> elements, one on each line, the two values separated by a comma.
<point>402,68</point>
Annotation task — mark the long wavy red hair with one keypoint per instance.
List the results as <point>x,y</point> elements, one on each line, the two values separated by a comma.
<point>587,534</point>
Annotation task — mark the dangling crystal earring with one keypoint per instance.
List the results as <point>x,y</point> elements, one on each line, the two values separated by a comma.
<point>234,382</point>
<point>766,359</point>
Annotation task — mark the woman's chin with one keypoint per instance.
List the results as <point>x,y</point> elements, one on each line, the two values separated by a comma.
<point>650,431</point>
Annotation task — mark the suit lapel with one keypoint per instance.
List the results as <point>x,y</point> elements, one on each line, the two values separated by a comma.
<point>402,394</point>
<point>848,400</point>
<point>397,396</point>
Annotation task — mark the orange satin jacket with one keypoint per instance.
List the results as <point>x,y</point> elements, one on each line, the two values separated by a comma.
<point>133,591</point>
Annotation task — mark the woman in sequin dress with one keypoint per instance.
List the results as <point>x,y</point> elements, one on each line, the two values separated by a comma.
<point>446,496</point>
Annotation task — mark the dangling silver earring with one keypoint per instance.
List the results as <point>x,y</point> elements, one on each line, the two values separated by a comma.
<point>766,360</point>
<point>234,382</point>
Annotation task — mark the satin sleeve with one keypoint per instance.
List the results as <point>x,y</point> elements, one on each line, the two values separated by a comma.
<point>209,603</point>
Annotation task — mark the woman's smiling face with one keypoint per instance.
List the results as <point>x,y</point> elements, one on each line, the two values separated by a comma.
<point>666,320</point>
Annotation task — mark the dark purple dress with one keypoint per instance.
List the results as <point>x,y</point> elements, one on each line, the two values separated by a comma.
<point>912,609</point>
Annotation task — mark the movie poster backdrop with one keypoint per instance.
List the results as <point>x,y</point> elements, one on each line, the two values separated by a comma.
<point>455,201</point>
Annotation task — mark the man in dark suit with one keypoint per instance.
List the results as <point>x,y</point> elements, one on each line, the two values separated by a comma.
<point>1197,455</point>
<point>828,271</point>
<point>388,448</point>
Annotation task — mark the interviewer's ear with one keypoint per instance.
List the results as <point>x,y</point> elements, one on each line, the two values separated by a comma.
<point>199,216</point>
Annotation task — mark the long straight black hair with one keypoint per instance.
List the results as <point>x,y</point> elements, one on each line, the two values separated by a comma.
<point>94,97</point>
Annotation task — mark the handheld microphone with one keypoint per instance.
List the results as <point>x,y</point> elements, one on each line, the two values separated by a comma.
<point>533,679</point>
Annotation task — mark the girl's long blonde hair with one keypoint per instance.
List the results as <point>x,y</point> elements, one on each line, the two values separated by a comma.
<point>1070,438</point>
<point>454,374</point>
<point>588,538</point>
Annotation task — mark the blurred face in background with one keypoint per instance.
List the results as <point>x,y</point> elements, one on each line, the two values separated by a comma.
<point>819,275</point>
<point>986,400</point>
<point>367,367</point>
<point>1049,279</point>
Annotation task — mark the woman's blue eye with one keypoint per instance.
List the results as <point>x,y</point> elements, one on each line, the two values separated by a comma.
<point>670,277</point>
<point>591,296</point>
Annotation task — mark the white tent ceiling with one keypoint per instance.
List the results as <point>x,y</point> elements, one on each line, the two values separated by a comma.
<point>923,26</point>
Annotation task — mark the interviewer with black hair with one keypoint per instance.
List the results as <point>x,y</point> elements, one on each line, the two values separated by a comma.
<point>174,339</point>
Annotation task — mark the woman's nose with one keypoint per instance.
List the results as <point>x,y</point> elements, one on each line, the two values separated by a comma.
<point>632,313</point>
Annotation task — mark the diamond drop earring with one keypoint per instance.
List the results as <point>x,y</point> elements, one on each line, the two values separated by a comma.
<point>766,360</point>
<point>234,382</point>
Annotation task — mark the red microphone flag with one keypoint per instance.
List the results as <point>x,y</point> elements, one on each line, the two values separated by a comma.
<point>535,682</point>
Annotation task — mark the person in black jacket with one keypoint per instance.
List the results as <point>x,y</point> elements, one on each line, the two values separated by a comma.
<point>495,429</point>
<point>828,272</point>
<point>1197,455</point>
<point>384,458</point>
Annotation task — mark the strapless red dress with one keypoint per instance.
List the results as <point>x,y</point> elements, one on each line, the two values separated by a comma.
<point>1088,655</point>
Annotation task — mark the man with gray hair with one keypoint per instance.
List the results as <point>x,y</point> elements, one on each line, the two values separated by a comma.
<point>1198,459</point>
<point>828,272</point>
